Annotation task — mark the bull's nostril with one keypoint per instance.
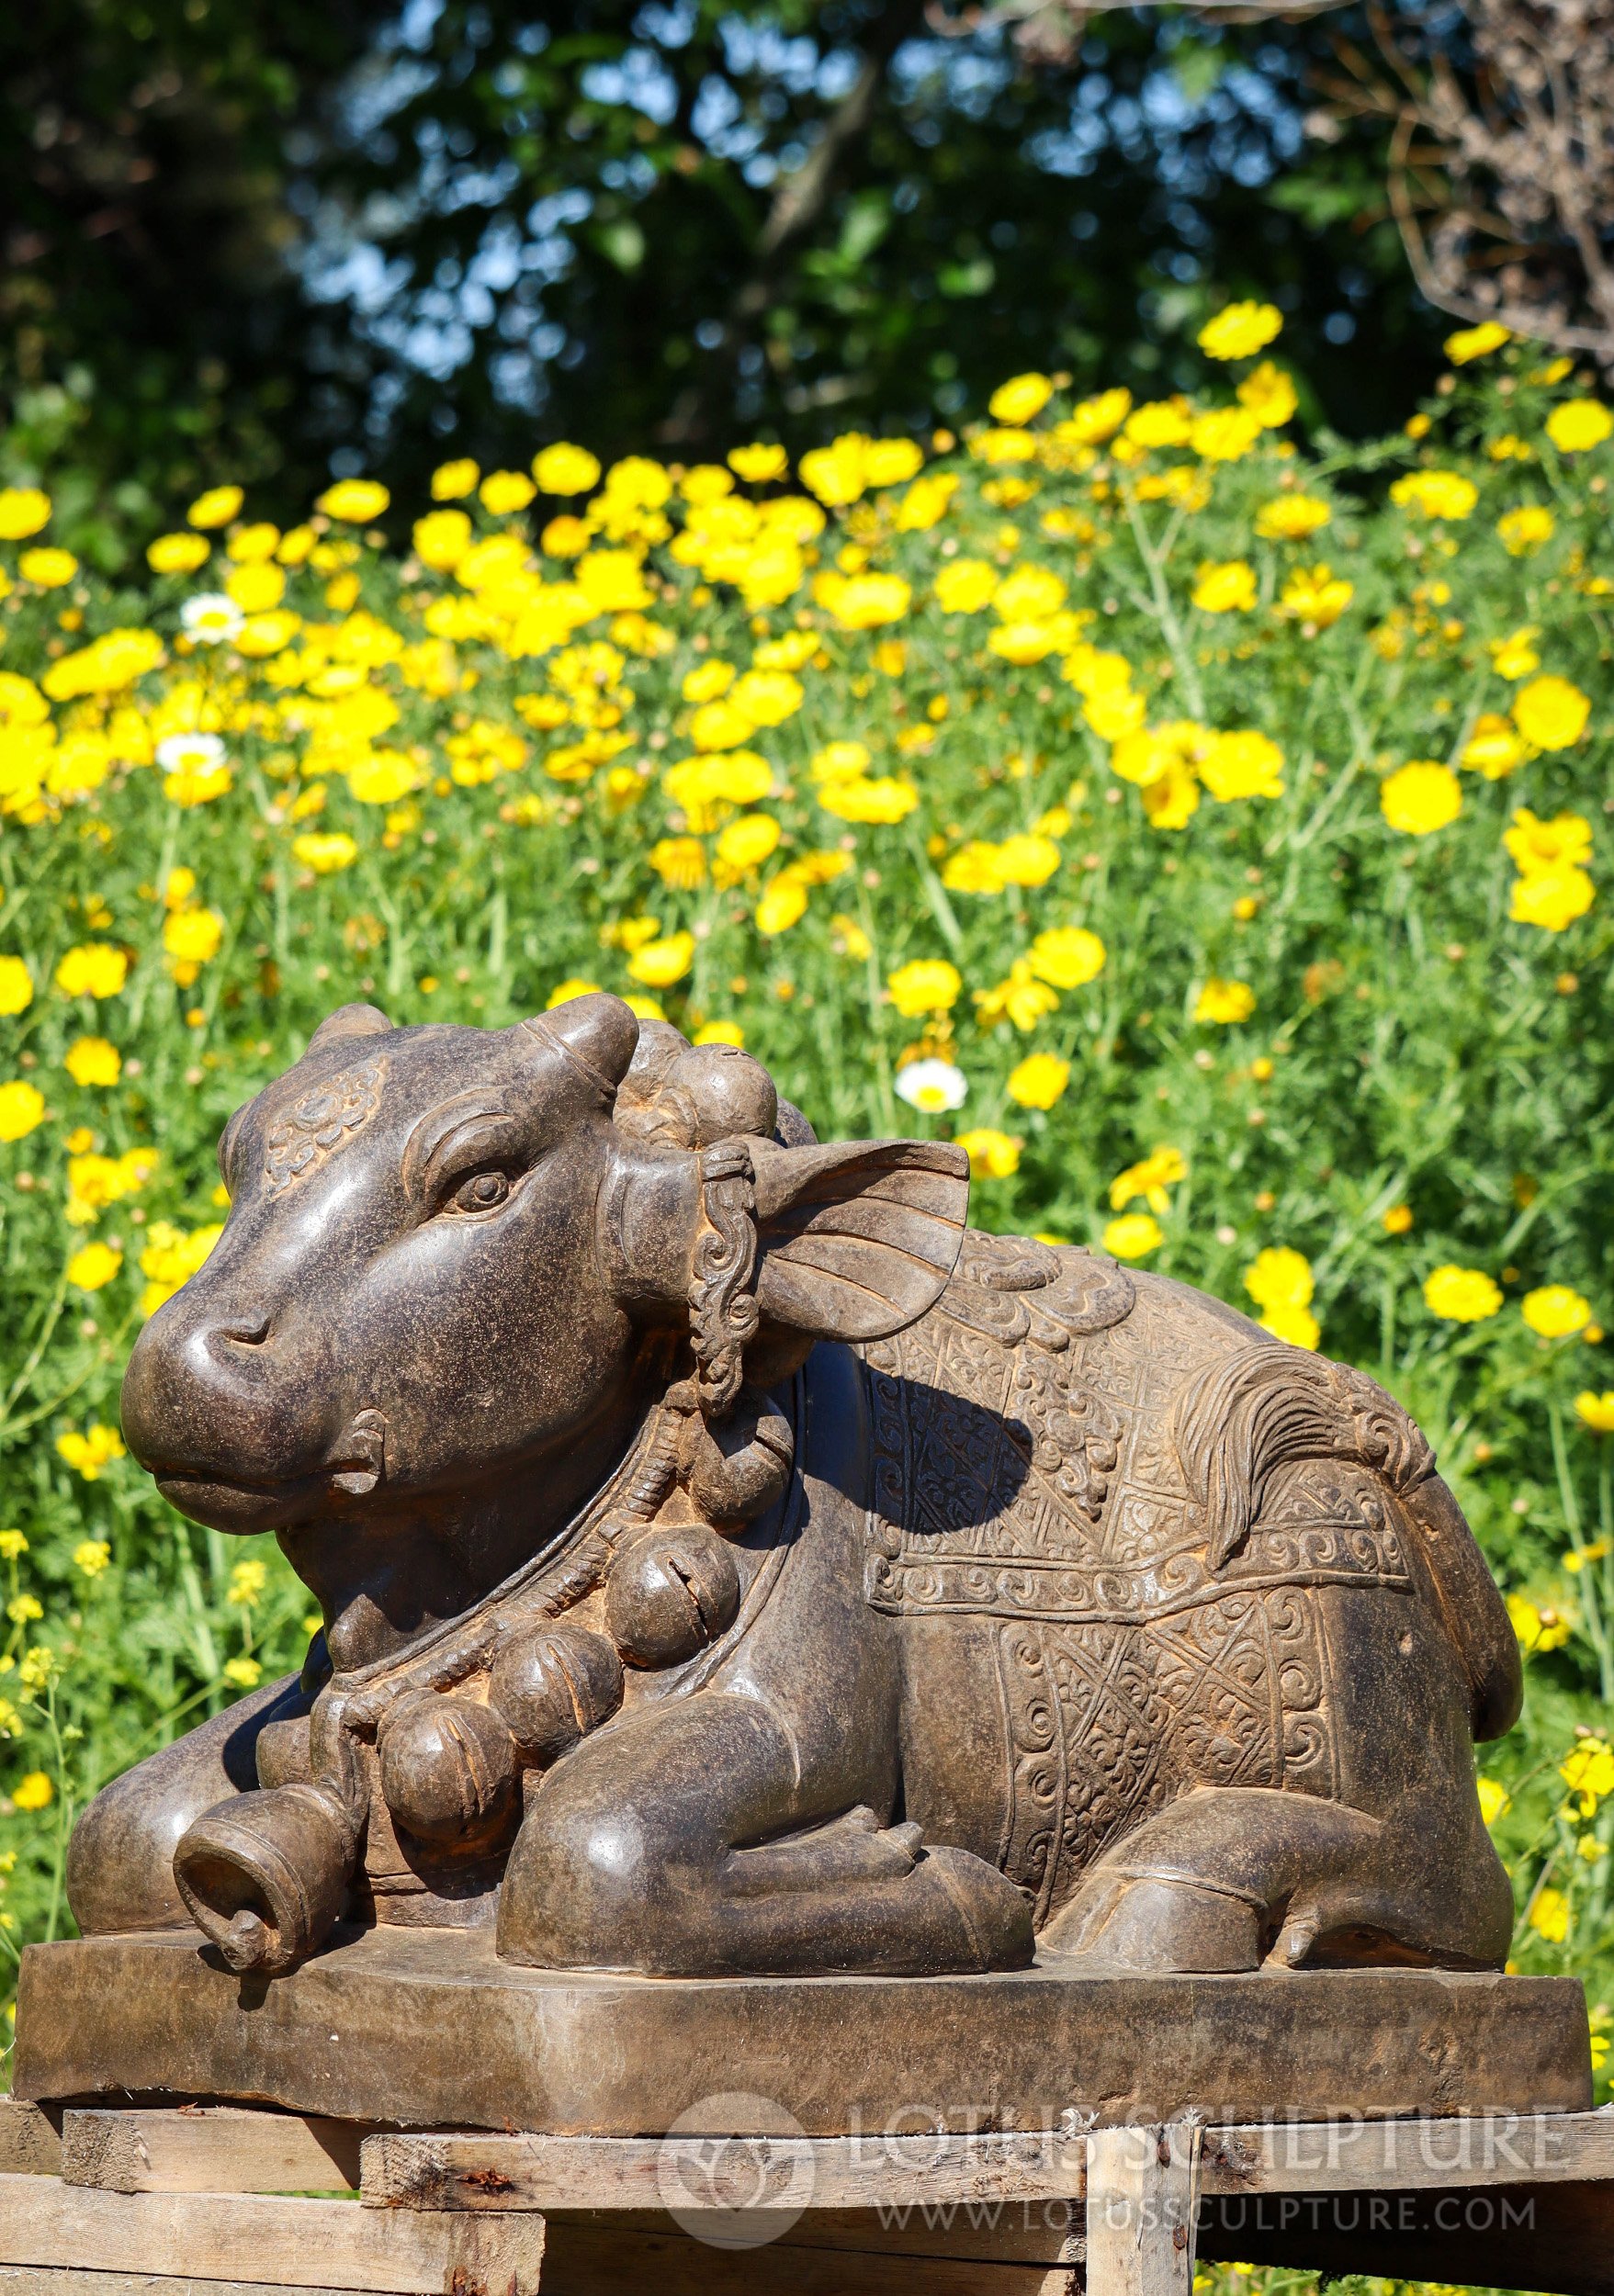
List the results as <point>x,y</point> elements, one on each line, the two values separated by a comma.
<point>252,1334</point>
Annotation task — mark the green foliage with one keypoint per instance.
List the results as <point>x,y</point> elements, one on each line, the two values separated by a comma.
<point>1370,1034</point>
<point>264,241</point>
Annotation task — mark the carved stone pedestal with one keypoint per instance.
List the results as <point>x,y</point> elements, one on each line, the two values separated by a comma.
<point>427,2028</point>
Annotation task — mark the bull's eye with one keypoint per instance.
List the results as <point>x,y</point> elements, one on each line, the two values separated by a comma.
<point>482,1192</point>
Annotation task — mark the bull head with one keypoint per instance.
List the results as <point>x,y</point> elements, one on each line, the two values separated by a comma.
<point>460,1264</point>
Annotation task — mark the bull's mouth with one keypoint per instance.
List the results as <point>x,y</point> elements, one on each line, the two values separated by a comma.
<point>233,1503</point>
<point>246,1503</point>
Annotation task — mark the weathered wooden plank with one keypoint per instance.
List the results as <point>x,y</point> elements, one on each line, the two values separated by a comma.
<point>29,2145</point>
<point>291,2244</point>
<point>210,2148</point>
<point>608,2261</point>
<point>472,2171</point>
<point>1141,2201</point>
<point>475,2170</point>
<point>32,2279</point>
<point>1341,2156</point>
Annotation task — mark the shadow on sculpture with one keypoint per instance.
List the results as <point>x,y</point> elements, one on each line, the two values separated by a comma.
<point>731,1564</point>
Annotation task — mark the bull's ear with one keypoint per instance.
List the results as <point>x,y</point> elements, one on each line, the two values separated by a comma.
<point>349,1021</point>
<point>857,1238</point>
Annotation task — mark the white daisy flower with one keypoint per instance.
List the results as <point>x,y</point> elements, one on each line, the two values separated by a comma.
<point>212,618</point>
<point>933,1087</point>
<point>190,753</point>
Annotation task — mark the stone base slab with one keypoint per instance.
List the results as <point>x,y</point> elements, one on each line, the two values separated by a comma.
<point>426,2027</point>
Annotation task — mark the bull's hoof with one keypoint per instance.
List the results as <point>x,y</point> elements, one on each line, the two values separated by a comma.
<point>1158,1924</point>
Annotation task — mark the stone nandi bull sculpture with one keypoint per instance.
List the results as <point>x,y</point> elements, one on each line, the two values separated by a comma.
<point>731,1564</point>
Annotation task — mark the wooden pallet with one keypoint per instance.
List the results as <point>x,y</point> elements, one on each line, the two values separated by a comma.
<point>216,2200</point>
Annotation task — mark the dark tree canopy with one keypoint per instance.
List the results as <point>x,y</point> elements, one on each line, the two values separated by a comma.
<point>268,242</point>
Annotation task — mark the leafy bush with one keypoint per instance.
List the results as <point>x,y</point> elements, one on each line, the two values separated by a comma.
<point>1204,831</point>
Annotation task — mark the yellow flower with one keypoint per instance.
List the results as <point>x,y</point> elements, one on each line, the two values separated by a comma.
<point>679,861</point>
<point>1550,713</point>
<point>1224,1002</point>
<point>745,844</point>
<point>1398,1219</point>
<point>1550,1914</point>
<point>33,1793</point>
<point>1293,1322</point>
<point>12,1545</point>
<point>1240,331</point>
<point>1280,1277</point>
<point>1227,588</point>
<point>49,570</point>
<point>1292,517</point>
<point>1067,956</point>
<point>926,502</point>
<point>1269,395</point>
<point>1587,1770</point>
<point>567,990</point>
<point>1515,657</point>
<point>1527,528</point>
<point>193,935</point>
<point>993,1155</point>
<point>1535,1628</point>
<point>88,1453</point>
<point>563,468</point>
<point>93,969</point>
<point>1436,493</point>
<point>1552,898</point>
<point>442,539</point>
<point>1159,1171</point>
<point>1316,596</point>
<point>1243,764</point>
<point>758,463</point>
<point>17,986</point>
<point>864,602</point>
<point>1461,1295</point>
<point>965,585</point>
<point>1475,342</point>
<point>91,1556</point>
<point>1492,749</point>
<point>1019,399</point>
<point>1039,1080</point>
<point>23,510</point>
<point>973,869</point>
<point>1093,421</point>
<point>355,500</point>
<point>1224,434</point>
<point>504,491</point>
<point>1555,1311</point>
<point>22,1106</point>
<point>782,904</point>
<point>924,985</point>
<point>883,800</point>
<point>1132,1235</point>
<point>768,697</point>
<point>719,1032</point>
<point>452,481</point>
<point>660,962</point>
<point>94,1266</point>
<point>1027,860</point>
<point>90,1060</point>
<point>217,506</point>
<point>1595,1412</point>
<point>1494,1799</point>
<point>850,938</point>
<point>242,1673</point>
<point>324,851</point>
<point>1579,424</point>
<point>1422,797</point>
<point>171,1257</point>
<point>1566,841</point>
<point>889,461</point>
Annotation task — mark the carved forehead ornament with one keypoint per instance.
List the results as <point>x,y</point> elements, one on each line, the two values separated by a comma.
<point>321,1122</point>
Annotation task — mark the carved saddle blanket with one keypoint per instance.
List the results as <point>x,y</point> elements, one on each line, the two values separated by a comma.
<point>1140,1499</point>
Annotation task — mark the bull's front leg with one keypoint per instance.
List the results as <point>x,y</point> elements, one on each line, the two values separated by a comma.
<point>683,1842</point>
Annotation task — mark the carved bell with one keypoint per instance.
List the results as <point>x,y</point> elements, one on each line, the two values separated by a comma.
<point>670,1594</point>
<point>448,1768</point>
<point>555,1685</point>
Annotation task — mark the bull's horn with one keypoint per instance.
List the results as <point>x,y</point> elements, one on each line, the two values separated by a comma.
<point>596,1032</point>
<point>350,1020</point>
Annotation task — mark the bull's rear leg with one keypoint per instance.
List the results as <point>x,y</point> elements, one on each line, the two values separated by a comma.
<point>1230,1876</point>
<point>683,1841</point>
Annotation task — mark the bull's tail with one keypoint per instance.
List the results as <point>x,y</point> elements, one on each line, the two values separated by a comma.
<point>1266,1406</point>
